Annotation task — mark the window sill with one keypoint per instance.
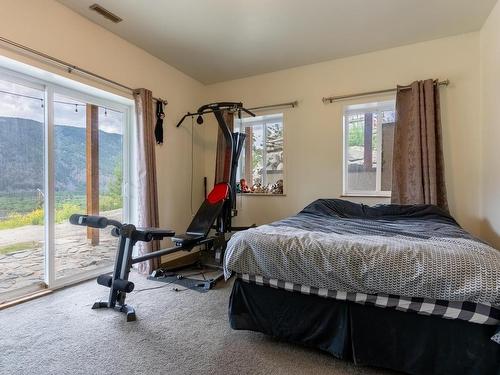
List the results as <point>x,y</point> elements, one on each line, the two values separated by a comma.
<point>365,196</point>
<point>260,195</point>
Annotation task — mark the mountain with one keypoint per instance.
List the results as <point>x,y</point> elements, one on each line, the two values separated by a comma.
<point>21,156</point>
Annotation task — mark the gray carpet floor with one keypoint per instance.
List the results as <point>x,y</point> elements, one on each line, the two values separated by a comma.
<point>182,332</point>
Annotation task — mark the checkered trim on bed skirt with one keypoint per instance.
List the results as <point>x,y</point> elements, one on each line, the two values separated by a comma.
<point>469,311</point>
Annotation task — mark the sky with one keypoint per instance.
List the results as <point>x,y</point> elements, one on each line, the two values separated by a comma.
<point>64,114</point>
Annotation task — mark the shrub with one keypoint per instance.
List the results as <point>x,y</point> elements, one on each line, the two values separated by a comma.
<point>66,210</point>
<point>15,220</point>
<point>36,217</point>
<point>110,202</point>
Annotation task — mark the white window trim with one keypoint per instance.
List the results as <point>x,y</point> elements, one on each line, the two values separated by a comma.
<point>349,108</point>
<point>27,75</point>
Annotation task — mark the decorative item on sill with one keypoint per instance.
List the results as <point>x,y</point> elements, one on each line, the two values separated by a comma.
<point>243,186</point>
<point>277,188</point>
<point>256,188</point>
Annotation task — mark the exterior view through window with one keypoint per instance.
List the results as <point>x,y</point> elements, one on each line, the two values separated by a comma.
<point>261,165</point>
<point>87,144</point>
<point>368,144</point>
<point>22,194</point>
<point>74,191</point>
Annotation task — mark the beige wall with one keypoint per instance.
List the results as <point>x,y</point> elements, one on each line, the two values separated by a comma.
<point>490,119</point>
<point>50,27</point>
<point>313,134</point>
<point>313,131</point>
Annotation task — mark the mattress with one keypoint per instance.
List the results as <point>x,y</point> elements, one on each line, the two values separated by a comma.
<point>334,245</point>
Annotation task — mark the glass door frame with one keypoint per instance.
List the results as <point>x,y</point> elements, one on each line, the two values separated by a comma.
<point>49,171</point>
<point>51,280</point>
<point>22,80</point>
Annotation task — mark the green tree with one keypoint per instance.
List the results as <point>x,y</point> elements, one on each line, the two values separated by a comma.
<point>113,198</point>
<point>115,187</point>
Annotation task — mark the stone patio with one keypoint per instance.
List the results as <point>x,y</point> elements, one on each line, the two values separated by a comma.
<point>73,253</point>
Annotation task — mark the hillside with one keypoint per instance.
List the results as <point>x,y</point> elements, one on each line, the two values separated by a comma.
<point>21,156</point>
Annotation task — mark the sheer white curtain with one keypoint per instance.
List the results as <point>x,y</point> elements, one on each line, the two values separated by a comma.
<point>146,194</point>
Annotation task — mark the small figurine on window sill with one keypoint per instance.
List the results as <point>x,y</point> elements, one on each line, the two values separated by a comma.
<point>258,188</point>
<point>277,188</point>
<point>244,188</point>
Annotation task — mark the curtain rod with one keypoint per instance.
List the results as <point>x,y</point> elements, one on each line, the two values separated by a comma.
<point>332,99</point>
<point>70,68</point>
<point>271,106</point>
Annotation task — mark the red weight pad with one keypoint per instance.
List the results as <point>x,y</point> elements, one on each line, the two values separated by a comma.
<point>218,193</point>
<point>205,217</point>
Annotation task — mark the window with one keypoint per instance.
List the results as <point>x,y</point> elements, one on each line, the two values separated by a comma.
<point>88,178</point>
<point>261,165</point>
<point>22,190</point>
<point>62,151</point>
<point>368,143</point>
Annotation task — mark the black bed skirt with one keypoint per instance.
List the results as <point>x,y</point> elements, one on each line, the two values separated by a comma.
<point>366,335</point>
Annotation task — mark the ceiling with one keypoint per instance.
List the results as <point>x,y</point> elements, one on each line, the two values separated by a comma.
<point>220,40</point>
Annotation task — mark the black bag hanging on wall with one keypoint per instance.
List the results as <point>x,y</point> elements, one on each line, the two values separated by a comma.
<point>160,115</point>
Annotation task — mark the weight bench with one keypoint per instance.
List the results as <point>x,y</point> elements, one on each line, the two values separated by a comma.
<point>205,217</point>
<point>129,235</point>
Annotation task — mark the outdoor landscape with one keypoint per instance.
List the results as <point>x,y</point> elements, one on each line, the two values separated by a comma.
<point>265,142</point>
<point>22,199</point>
<point>21,179</point>
<point>362,173</point>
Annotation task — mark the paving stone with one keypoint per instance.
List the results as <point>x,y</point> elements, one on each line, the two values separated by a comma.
<point>25,275</point>
<point>21,254</point>
<point>26,267</point>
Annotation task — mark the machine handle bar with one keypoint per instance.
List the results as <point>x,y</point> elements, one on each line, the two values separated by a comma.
<point>93,221</point>
<point>216,107</point>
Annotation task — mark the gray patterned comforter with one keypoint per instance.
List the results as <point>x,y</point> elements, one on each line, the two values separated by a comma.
<point>410,251</point>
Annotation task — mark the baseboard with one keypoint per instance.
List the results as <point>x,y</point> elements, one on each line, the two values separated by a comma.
<point>25,298</point>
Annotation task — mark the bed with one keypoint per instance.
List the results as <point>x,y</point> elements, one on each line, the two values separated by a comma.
<point>399,287</point>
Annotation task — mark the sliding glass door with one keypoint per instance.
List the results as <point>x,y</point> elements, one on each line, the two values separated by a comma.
<point>22,123</point>
<point>61,152</point>
<point>88,163</point>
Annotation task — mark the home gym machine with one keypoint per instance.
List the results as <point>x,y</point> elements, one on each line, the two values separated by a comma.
<point>216,212</point>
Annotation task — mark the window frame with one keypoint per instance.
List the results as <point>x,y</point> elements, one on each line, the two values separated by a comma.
<point>241,122</point>
<point>52,84</point>
<point>360,106</point>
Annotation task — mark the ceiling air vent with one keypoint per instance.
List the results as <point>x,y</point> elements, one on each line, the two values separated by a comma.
<point>105,13</point>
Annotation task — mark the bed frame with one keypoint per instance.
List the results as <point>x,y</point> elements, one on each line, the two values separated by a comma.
<point>366,335</point>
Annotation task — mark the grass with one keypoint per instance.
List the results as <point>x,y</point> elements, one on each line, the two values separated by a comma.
<point>19,247</point>
<point>15,219</point>
<point>35,217</point>
<point>20,209</point>
<point>63,212</point>
<point>18,202</point>
<point>24,202</point>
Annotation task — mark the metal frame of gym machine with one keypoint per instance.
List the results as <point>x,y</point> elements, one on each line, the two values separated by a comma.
<point>215,213</point>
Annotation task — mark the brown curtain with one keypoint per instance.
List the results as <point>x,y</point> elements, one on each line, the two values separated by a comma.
<point>222,161</point>
<point>418,167</point>
<point>147,195</point>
